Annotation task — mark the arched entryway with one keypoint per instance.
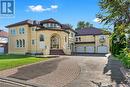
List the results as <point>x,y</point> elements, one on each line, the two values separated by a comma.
<point>55,41</point>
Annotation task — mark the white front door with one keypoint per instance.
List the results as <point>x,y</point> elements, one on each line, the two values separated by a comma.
<point>102,49</point>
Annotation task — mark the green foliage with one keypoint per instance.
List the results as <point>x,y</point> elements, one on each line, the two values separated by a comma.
<point>117,13</point>
<point>124,56</point>
<point>118,43</point>
<point>114,11</point>
<point>83,24</point>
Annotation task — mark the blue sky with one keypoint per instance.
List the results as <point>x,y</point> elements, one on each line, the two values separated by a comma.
<point>65,11</point>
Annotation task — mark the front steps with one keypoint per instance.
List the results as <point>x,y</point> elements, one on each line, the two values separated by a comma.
<point>57,52</point>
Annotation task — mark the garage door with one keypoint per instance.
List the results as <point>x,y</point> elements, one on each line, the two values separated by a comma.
<point>90,49</point>
<point>85,49</point>
<point>1,50</point>
<point>102,49</point>
<point>80,49</point>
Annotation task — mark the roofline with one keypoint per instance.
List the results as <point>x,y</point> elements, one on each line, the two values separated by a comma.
<point>91,34</point>
<point>51,29</point>
<point>12,25</point>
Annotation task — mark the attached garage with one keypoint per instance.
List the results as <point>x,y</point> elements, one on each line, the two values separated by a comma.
<point>85,49</point>
<point>80,49</point>
<point>102,49</point>
<point>1,50</point>
<point>90,49</point>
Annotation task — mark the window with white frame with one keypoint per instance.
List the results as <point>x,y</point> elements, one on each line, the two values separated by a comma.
<point>23,43</point>
<point>20,41</point>
<point>17,43</point>
<point>13,32</point>
<point>21,30</point>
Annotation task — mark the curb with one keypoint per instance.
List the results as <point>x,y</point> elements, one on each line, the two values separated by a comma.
<point>19,82</point>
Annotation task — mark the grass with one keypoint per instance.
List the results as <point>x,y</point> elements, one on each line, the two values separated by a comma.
<point>11,61</point>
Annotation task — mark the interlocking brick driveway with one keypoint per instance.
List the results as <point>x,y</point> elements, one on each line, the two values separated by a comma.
<point>98,69</point>
<point>73,71</point>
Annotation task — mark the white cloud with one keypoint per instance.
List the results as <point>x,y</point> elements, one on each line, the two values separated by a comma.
<point>54,6</point>
<point>40,8</point>
<point>97,20</point>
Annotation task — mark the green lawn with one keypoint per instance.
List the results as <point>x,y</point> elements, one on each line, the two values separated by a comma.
<point>11,61</point>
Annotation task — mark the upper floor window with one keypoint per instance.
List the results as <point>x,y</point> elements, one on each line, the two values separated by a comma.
<point>51,25</point>
<point>55,25</point>
<point>76,39</point>
<point>79,39</point>
<point>21,30</point>
<point>71,34</point>
<point>13,31</point>
<point>41,37</point>
<point>47,25</point>
<point>33,29</point>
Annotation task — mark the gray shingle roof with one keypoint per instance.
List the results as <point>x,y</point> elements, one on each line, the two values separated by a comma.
<point>89,31</point>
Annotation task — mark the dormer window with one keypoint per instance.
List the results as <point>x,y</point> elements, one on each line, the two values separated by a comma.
<point>51,25</point>
<point>54,25</point>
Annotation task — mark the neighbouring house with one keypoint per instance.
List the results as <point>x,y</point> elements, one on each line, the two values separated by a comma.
<point>3,42</point>
<point>51,37</point>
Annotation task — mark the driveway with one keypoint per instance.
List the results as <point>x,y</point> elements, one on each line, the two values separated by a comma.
<point>98,71</point>
<point>73,71</point>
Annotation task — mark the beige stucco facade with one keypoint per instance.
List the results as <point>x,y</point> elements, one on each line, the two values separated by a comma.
<point>38,46</point>
<point>50,36</point>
